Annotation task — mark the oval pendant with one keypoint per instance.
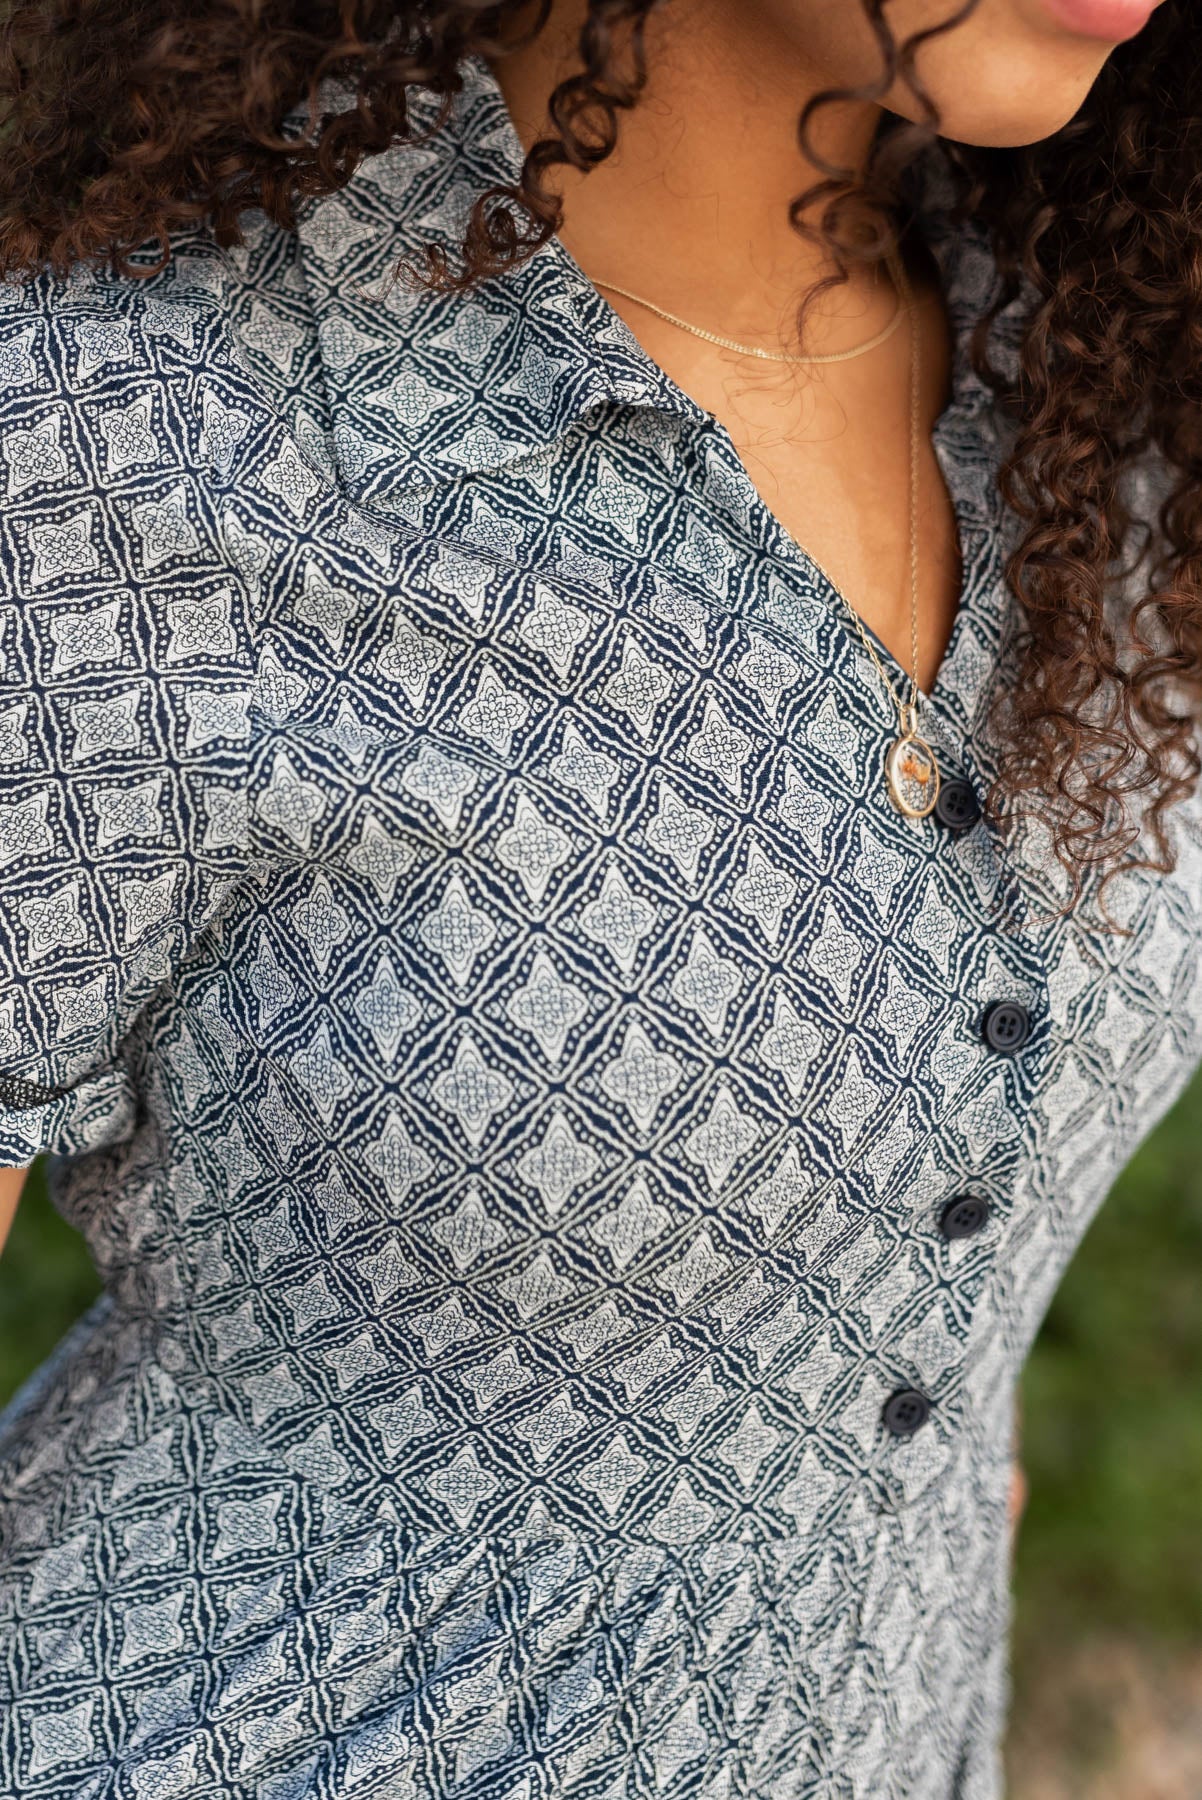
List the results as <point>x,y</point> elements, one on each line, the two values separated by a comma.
<point>912,775</point>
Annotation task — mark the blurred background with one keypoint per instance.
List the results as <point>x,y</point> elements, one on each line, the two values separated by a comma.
<point>1107,1664</point>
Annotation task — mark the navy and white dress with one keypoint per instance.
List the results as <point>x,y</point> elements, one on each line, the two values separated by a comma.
<point>575,1172</point>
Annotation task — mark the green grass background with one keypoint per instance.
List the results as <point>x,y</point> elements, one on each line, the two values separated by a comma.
<point>1112,1405</point>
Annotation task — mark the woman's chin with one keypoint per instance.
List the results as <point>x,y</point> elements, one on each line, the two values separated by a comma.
<point>1016,99</point>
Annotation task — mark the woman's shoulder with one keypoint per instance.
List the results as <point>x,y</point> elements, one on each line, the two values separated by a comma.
<point>106,492</point>
<point>134,408</point>
<point>77,334</point>
<point>99,410</point>
<point>125,663</point>
<point>138,360</point>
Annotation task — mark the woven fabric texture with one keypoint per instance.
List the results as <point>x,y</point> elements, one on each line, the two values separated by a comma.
<point>508,1057</point>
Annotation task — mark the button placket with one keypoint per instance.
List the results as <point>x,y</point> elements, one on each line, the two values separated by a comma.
<point>1006,1026</point>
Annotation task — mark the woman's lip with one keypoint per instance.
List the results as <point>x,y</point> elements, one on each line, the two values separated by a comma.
<point>1112,20</point>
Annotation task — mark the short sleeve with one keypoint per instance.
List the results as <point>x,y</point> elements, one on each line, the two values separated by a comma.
<point>124,684</point>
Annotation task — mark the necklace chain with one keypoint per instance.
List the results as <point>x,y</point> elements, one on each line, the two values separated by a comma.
<point>922,764</point>
<point>906,709</point>
<point>725,343</point>
<point>911,767</point>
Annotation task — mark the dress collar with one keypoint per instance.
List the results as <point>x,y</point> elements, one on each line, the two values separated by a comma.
<point>426,389</point>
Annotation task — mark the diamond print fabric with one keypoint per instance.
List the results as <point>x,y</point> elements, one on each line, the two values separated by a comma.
<point>508,1059</point>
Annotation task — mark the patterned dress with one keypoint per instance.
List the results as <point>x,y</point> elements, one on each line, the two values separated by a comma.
<point>575,1173</point>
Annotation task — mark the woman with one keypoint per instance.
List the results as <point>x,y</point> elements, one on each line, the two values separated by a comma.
<point>601,864</point>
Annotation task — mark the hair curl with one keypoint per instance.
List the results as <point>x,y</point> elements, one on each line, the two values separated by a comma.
<point>125,123</point>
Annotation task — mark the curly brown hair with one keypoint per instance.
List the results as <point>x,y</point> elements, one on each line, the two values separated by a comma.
<point>124,124</point>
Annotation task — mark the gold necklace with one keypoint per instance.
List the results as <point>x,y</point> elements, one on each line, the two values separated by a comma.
<point>911,771</point>
<point>713,337</point>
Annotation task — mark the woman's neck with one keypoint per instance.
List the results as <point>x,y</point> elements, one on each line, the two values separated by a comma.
<point>692,208</point>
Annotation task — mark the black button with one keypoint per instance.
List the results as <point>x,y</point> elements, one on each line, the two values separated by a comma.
<point>906,1411</point>
<point>960,1218</point>
<point>956,804</point>
<point>1005,1025</point>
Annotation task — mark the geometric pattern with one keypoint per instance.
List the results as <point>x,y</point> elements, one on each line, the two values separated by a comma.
<point>507,1056</point>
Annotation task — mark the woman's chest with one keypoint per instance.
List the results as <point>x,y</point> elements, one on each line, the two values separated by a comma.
<point>571,851</point>
<point>586,956</point>
<point>567,823</point>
